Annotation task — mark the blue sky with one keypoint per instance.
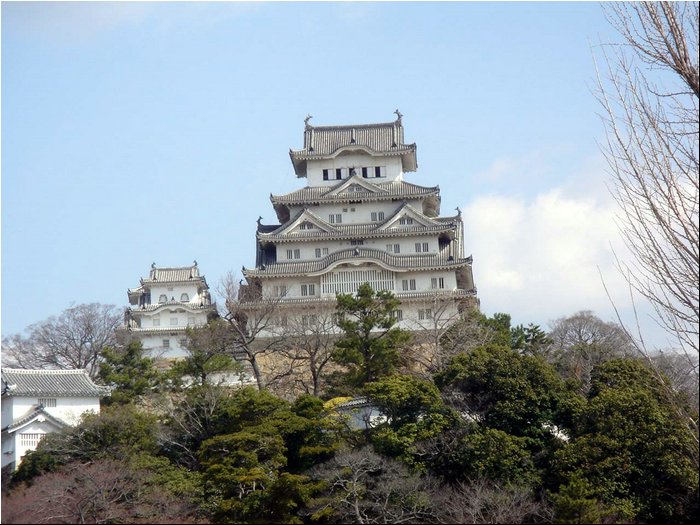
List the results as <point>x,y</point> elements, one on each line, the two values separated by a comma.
<point>137,132</point>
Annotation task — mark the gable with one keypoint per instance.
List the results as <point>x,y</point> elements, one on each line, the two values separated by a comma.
<point>354,185</point>
<point>407,217</point>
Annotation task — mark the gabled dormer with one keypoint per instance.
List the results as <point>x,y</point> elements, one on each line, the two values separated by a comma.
<point>304,223</point>
<point>407,217</point>
<point>356,185</point>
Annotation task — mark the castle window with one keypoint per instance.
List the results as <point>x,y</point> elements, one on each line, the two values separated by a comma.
<point>406,220</point>
<point>357,243</point>
<point>308,320</point>
<point>437,282</point>
<point>338,174</point>
<point>325,175</point>
<point>421,247</point>
<point>185,298</point>
<point>294,254</point>
<point>280,291</point>
<point>364,173</point>
<point>30,440</point>
<point>48,402</point>
<point>377,171</point>
<point>397,314</point>
<point>163,298</point>
<point>408,284</point>
<point>318,253</point>
<point>166,343</point>
<point>393,248</point>
<point>425,314</point>
<point>308,289</point>
<point>335,218</point>
<point>377,216</point>
<point>306,226</point>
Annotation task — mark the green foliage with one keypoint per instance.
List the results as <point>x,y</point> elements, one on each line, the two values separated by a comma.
<point>631,448</point>
<point>118,432</point>
<point>209,350</point>
<point>252,467</point>
<point>369,346</point>
<point>518,394</point>
<point>576,502</point>
<point>414,412</point>
<point>128,372</point>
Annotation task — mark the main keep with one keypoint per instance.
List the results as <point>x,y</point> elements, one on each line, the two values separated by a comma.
<point>357,220</point>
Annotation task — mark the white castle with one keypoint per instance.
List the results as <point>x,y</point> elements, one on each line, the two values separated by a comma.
<point>358,221</point>
<point>163,306</point>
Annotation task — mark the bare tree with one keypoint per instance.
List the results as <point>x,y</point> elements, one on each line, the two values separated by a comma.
<point>308,346</point>
<point>484,501</point>
<point>441,334</point>
<point>101,491</point>
<point>253,321</point>
<point>650,103</point>
<point>368,488</point>
<point>582,341</point>
<point>74,339</point>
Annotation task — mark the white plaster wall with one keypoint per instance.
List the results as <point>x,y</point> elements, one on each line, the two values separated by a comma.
<point>176,292</point>
<point>7,403</point>
<point>153,344</point>
<point>69,409</point>
<point>392,168</point>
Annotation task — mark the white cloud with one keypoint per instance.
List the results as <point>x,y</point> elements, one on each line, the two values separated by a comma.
<point>541,257</point>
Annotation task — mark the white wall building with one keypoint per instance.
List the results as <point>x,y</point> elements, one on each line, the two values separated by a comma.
<point>167,302</point>
<point>38,402</point>
<point>357,221</point>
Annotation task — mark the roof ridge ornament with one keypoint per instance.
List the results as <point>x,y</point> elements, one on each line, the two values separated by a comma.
<point>306,121</point>
<point>398,115</point>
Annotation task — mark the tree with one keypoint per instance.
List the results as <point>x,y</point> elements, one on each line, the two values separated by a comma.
<point>483,501</point>
<point>74,339</point>
<point>518,394</point>
<point>100,491</point>
<point>209,352</point>
<point>128,372</point>
<point>650,106</point>
<point>630,448</point>
<point>583,341</point>
<point>367,488</point>
<point>251,319</point>
<point>369,345</point>
<point>308,345</point>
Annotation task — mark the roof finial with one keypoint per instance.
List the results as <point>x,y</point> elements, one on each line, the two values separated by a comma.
<point>459,212</point>
<point>259,219</point>
<point>153,266</point>
<point>398,115</point>
<point>195,262</point>
<point>306,121</point>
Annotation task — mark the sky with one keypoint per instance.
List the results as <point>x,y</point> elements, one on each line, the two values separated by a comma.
<point>141,132</point>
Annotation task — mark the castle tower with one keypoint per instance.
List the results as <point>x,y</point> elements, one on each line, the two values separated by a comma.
<point>167,302</point>
<point>357,220</point>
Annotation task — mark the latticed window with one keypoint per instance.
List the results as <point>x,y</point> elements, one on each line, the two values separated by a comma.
<point>48,402</point>
<point>408,285</point>
<point>437,282</point>
<point>348,281</point>
<point>185,298</point>
<point>308,289</point>
<point>30,440</point>
<point>425,314</point>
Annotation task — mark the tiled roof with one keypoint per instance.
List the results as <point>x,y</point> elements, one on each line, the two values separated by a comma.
<point>400,295</point>
<point>33,414</point>
<point>156,306</point>
<point>397,262</point>
<point>157,329</point>
<point>173,275</point>
<point>59,383</point>
<point>390,190</point>
<point>324,141</point>
<point>366,231</point>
